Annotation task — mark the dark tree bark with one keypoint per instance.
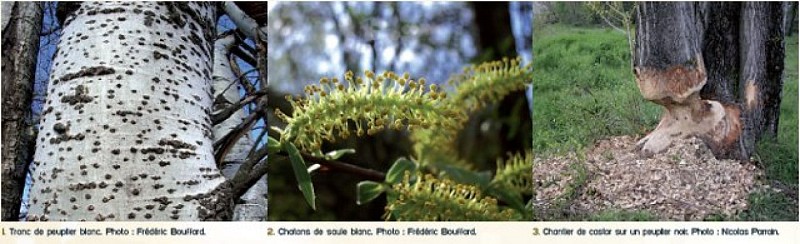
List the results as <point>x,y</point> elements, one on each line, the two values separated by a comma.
<point>722,33</point>
<point>732,51</point>
<point>762,68</point>
<point>21,43</point>
<point>494,27</point>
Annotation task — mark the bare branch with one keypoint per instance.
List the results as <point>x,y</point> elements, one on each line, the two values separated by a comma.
<point>245,177</point>
<point>611,24</point>
<point>262,64</point>
<point>224,144</point>
<point>244,56</point>
<point>226,113</point>
<point>246,24</point>
<point>259,138</point>
<point>248,87</point>
<point>364,173</point>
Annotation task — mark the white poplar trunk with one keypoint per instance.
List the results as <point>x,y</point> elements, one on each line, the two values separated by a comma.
<point>125,133</point>
<point>226,91</point>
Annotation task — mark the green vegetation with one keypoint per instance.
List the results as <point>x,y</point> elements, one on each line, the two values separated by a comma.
<point>435,183</point>
<point>584,91</point>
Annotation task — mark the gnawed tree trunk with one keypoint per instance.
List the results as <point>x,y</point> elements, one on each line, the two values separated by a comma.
<point>21,26</point>
<point>126,132</point>
<point>253,204</point>
<point>670,71</point>
<point>726,47</point>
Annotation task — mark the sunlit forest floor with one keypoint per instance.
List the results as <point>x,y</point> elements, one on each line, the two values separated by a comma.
<point>584,94</point>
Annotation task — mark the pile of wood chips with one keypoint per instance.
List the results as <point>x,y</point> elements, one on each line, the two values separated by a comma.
<point>685,182</point>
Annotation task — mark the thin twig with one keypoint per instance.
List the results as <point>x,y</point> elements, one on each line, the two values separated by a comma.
<point>226,113</point>
<point>368,174</point>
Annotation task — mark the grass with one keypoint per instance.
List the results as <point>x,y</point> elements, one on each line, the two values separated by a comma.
<point>584,90</point>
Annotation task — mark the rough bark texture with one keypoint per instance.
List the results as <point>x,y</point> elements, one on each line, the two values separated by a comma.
<point>125,133</point>
<point>738,52</point>
<point>762,60</point>
<point>667,56</point>
<point>21,29</point>
<point>719,44</point>
<point>670,71</point>
<point>253,206</point>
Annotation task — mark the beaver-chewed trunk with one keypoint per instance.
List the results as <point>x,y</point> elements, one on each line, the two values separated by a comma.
<point>677,52</point>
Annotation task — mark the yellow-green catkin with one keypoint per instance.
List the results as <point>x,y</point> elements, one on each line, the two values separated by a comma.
<point>489,82</point>
<point>477,86</point>
<point>432,199</point>
<point>514,174</point>
<point>364,105</point>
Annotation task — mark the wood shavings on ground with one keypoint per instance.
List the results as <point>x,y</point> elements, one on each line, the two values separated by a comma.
<point>685,182</point>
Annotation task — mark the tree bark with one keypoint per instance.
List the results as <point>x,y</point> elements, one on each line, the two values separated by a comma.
<point>670,71</point>
<point>739,67</point>
<point>125,133</point>
<point>21,27</point>
<point>494,27</point>
<point>721,38</point>
<point>762,68</point>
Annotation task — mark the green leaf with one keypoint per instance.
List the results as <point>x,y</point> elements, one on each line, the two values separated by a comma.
<point>509,196</point>
<point>301,173</point>
<point>273,146</point>
<point>336,154</point>
<point>398,169</point>
<point>464,176</point>
<point>368,191</point>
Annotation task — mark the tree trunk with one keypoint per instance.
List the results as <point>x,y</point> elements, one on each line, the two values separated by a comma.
<point>670,71</point>
<point>722,33</point>
<point>21,27</point>
<point>253,206</point>
<point>682,47</point>
<point>762,68</point>
<point>126,132</point>
<point>494,27</point>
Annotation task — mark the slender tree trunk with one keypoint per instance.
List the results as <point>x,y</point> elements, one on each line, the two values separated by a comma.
<point>789,17</point>
<point>253,206</point>
<point>126,133</point>
<point>21,27</point>
<point>762,68</point>
<point>494,27</point>
<point>683,47</point>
